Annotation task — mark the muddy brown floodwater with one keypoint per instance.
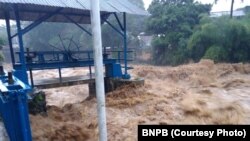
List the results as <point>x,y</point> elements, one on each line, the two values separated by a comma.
<point>201,93</point>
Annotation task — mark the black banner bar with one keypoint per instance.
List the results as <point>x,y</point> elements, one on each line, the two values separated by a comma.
<point>189,132</point>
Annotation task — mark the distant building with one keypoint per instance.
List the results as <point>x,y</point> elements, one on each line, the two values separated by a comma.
<point>145,40</point>
<point>236,13</point>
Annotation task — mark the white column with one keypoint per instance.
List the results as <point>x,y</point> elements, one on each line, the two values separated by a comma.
<point>99,77</point>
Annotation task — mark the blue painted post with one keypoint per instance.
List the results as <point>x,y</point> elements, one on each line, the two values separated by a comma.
<point>24,116</point>
<point>23,76</point>
<point>126,75</point>
<point>7,21</point>
<point>14,111</point>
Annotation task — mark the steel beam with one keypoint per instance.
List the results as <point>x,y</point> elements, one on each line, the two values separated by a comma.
<point>38,22</point>
<point>112,26</point>
<point>119,22</point>
<point>24,76</point>
<point>7,20</point>
<point>55,65</point>
<point>126,75</point>
<point>71,20</point>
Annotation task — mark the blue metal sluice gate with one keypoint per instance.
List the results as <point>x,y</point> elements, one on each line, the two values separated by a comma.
<point>14,108</point>
<point>14,86</point>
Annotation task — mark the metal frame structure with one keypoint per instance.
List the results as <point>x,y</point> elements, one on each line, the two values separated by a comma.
<point>23,132</point>
<point>22,31</point>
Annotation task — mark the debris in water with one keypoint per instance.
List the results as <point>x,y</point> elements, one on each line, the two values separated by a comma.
<point>201,93</point>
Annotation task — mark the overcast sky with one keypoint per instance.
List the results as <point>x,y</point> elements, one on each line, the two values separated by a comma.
<point>222,5</point>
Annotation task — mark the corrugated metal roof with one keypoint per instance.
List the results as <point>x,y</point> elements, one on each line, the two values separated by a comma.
<point>105,5</point>
<point>31,10</point>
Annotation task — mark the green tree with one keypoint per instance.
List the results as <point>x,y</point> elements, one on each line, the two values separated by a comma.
<point>172,22</point>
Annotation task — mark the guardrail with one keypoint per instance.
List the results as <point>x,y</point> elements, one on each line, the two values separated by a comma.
<point>70,56</point>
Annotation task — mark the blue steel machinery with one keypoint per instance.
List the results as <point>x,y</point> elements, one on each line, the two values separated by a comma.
<point>15,86</point>
<point>13,106</point>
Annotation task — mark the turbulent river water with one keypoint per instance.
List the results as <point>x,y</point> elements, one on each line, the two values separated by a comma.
<point>200,93</point>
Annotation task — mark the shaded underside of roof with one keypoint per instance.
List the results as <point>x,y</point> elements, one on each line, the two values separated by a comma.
<point>78,10</point>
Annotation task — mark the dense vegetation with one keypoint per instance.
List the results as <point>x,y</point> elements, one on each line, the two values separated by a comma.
<point>173,22</point>
<point>183,31</point>
<point>222,39</point>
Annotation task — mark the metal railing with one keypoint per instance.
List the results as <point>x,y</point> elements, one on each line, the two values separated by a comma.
<point>65,56</point>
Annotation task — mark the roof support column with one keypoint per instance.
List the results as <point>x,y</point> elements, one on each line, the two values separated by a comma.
<point>126,75</point>
<point>7,20</point>
<point>23,76</point>
<point>98,61</point>
<point>118,20</point>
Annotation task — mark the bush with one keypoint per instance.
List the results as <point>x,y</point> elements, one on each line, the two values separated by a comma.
<point>216,53</point>
<point>221,39</point>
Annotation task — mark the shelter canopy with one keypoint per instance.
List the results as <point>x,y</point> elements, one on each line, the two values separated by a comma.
<point>78,10</point>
